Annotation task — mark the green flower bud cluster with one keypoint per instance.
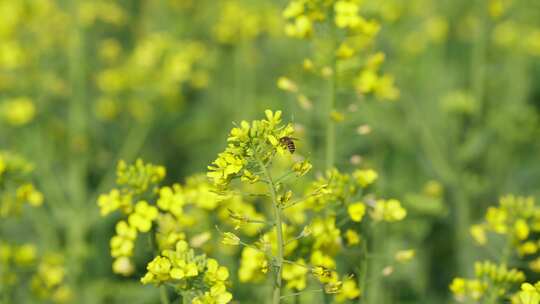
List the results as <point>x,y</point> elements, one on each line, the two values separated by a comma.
<point>133,181</point>
<point>498,274</point>
<point>139,176</point>
<point>497,280</point>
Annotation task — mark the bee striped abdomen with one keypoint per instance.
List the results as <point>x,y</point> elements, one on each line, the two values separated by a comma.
<point>288,143</point>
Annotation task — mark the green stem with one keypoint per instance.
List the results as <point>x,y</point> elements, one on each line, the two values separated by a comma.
<point>326,298</point>
<point>77,146</point>
<point>506,254</point>
<point>276,294</point>
<point>463,223</point>
<point>478,59</point>
<point>363,270</point>
<point>330,123</point>
<point>374,284</point>
<point>163,297</point>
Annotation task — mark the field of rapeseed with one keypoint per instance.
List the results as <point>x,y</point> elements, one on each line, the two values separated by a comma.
<point>287,151</point>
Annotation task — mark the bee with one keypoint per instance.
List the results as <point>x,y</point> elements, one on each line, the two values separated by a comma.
<point>288,142</point>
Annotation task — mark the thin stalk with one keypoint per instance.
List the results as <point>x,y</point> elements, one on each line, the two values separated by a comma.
<point>330,123</point>
<point>363,269</point>
<point>462,200</point>
<point>5,291</point>
<point>331,101</point>
<point>507,251</point>
<point>77,145</point>
<point>373,281</point>
<point>326,298</point>
<point>463,222</point>
<point>297,294</point>
<point>478,58</point>
<point>163,297</point>
<point>276,294</point>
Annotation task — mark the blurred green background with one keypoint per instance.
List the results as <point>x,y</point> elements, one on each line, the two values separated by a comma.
<point>86,83</point>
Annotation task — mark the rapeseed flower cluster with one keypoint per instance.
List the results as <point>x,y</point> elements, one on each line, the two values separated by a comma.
<point>347,189</point>
<point>202,278</point>
<point>357,35</point>
<point>165,212</point>
<point>490,280</point>
<point>134,182</point>
<point>249,144</point>
<point>159,67</point>
<point>515,218</point>
<point>529,294</point>
<point>17,188</point>
<point>91,12</point>
<point>240,23</point>
<point>253,265</point>
<point>514,35</point>
<point>369,80</point>
<point>49,282</point>
<point>25,41</point>
<point>14,258</point>
<point>20,262</point>
<point>312,232</point>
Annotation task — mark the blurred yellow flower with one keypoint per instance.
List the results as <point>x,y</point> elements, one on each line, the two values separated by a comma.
<point>18,111</point>
<point>365,177</point>
<point>349,291</point>
<point>479,234</point>
<point>295,275</point>
<point>353,238</point>
<point>389,211</point>
<point>356,211</point>
<point>404,256</point>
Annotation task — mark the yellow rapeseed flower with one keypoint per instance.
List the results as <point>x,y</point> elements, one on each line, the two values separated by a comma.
<point>389,211</point>
<point>479,234</point>
<point>357,211</point>
<point>295,275</point>
<point>352,237</point>
<point>143,216</point>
